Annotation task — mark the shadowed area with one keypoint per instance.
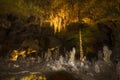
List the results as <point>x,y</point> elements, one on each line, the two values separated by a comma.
<point>61,75</point>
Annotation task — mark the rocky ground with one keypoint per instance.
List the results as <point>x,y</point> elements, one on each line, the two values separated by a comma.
<point>26,68</point>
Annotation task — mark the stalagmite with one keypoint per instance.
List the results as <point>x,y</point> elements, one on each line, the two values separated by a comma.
<point>107,53</point>
<point>72,57</point>
<point>81,48</point>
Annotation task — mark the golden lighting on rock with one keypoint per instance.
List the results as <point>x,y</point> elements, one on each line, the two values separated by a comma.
<point>56,22</point>
<point>16,53</point>
<point>62,17</point>
<point>83,59</point>
<point>87,21</point>
<point>30,50</point>
<point>59,20</point>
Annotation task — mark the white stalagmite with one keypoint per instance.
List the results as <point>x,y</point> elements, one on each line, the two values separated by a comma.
<point>72,57</point>
<point>107,53</point>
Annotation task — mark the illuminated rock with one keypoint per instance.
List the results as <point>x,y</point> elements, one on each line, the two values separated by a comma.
<point>97,68</point>
<point>107,53</point>
<point>72,57</point>
<point>16,53</point>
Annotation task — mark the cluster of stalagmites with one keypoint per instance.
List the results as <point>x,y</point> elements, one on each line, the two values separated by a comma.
<point>54,62</point>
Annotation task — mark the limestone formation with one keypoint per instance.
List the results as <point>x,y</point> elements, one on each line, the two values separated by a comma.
<point>72,56</point>
<point>97,68</point>
<point>107,53</point>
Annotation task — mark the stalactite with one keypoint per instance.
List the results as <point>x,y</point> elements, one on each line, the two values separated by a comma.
<point>56,22</point>
<point>60,19</point>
